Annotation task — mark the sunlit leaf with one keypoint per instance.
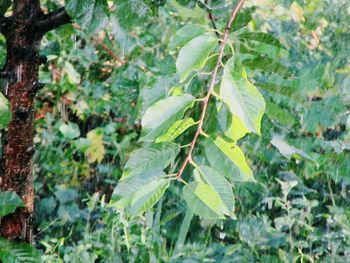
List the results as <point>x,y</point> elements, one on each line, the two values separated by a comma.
<point>204,201</point>
<point>242,97</point>
<point>163,114</point>
<point>70,130</point>
<point>96,150</point>
<point>176,130</point>
<point>221,186</point>
<point>228,159</point>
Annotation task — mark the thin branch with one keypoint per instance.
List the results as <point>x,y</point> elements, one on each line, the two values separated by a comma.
<point>109,51</point>
<point>212,19</point>
<point>53,20</point>
<point>210,90</point>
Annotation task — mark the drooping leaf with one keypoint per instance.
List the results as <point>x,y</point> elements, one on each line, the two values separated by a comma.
<point>194,54</point>
<point>186,34</point>
<point>154,157</point>
<point>176,130</point>
<point>96,150</point>
<point>91,15</point>
<point>9,202</point>
<point>242,97</point>
<point>147,196</point>
<point>5,113</point>
<point>163,114</point>
<point>220,185</point>
<point>228,159</point>
<point>287,150</point>
<point>18,252</point>
<point>204,201</point>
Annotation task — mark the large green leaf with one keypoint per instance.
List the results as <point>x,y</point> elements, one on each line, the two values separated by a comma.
<point>9,202</point>
<point>194,54</point>
<point>204,201</point>
<point>185,34</point>
<point>18,252</point>
<point>163,114</point>
<point>176,130</point>
<point>91,15</point>
<point>228,159</point>
<point>147,196</point>
<point>220,185</point>
<point>153,157</point>
<point>129,185</point>
<point>5,113</point>
<point>242,97</point>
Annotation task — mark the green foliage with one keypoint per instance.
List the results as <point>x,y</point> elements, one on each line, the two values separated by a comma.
<point>92,15</point>
<point>5,113</point>
<point>113,133</point>
<point>17,252</point>
<point>9,202</point>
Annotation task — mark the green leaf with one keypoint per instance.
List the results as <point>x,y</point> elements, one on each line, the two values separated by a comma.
<point>236,129</point>
<point>153,157</point>
<point>221,186</point>
<point>70,131</point>
<point>261,37</point>
<point>131,13</point>
<point>96,150</point>
<point>228,159</point>
<point>163,114</point>
<point>287,150</point>
<point>4,6</point>
<point>73,75</point>
<point>147,196</point>
<point>194,54</point>
<point>9,202</point>
<point>18,252</point>
<point>185,34</point>
<point>91,15</point>
<point>204,201</point>
<point>5,113</point>
<point>127,186</point>
<point>242,97</point>
<point>176,130</point>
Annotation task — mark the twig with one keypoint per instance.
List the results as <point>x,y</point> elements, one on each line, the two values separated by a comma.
<point>212,19</point>
<point>109,51</point>
<point>210,90</point>
<point>104,47</point>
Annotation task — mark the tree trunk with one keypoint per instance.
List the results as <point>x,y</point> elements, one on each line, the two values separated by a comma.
<point>23,32</point>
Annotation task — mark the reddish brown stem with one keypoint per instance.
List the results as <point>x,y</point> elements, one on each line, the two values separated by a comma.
<point>210,90</point>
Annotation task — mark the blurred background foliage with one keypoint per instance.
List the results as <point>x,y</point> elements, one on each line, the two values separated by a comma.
<point>88,122</point>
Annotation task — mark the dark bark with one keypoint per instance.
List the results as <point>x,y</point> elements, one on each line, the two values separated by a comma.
<point>23,31</point>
